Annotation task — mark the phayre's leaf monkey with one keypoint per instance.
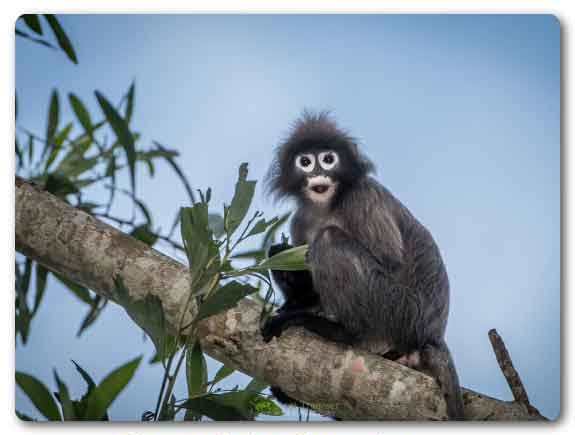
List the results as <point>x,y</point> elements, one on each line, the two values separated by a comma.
<point>376,279</point>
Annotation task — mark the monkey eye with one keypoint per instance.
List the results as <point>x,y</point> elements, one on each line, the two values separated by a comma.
<point>328,159</point>
<point>305,162</point>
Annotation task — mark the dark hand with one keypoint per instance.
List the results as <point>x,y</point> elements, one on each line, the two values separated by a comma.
<point>273,327</point>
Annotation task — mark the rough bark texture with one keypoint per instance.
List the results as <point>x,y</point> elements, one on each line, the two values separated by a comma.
<point>331,378</point>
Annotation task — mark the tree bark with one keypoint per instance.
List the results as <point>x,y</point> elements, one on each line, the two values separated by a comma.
<point>333,379</point>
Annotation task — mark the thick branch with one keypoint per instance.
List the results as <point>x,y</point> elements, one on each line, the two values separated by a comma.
<point>333,379</point>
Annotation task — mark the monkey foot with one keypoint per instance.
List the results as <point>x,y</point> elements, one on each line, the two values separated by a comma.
<point>411,360</point>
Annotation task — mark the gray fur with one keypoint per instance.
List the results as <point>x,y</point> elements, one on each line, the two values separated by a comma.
<point>376,269</point>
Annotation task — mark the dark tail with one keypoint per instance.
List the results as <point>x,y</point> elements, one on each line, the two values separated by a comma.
<point>437,360</point>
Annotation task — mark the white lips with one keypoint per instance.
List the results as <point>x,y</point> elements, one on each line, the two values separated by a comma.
<point>320,180</point>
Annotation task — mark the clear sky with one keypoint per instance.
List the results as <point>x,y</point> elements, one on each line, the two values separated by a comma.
<point>461,115</point>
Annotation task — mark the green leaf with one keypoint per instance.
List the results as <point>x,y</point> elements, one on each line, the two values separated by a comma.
<point>144,234</point>
<point>59,185</point>
<point>19,154</point>
<point>196,370</point>
<point>96,307</point>
<point>64,398</point>
<point>210,407</point>
<point>89,381</point>
<point>202,251</point>
<point>33,23</point>
<point>288,260</point>
<point>130,103</point>
<point>87,206</point>
<point>39,395</point>
<point>24,417</point>
<point>81,113</point>
<point>222,373</point>
<point>241,201</point>
<point>81,293</point>
<point>53,120</point>
<point>256,386</point>
<point>123,134</point>
<point>256,254</point>
<point>262,405</point>
<point>224,298</point>
<point>101,397</point>
<point>57,145</point>
<point>74,163</point>
<point>261,226</point>
<point>41,277</point>
<point>23,315</point>
<point>30,148</point>
<point>61,37</point>
<point>40,41</point>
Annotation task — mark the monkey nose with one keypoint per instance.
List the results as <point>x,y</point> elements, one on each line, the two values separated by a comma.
<point>320,188</point>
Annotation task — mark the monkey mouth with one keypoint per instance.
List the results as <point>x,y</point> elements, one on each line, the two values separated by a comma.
<point>320,188</point>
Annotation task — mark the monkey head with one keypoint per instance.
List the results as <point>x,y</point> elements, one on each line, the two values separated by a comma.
<point>316,162</point>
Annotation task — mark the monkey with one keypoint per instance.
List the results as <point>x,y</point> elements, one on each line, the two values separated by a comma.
<point>376,278</point>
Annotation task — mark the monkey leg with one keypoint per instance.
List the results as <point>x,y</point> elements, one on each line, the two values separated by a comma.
<point>360,292</point>
<point>321,326</point>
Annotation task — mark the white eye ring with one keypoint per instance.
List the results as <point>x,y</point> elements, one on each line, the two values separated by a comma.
<point>331,157</point>
<point>305,162</point>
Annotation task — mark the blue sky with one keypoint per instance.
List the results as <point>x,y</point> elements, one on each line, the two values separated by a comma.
<point>461,115</point>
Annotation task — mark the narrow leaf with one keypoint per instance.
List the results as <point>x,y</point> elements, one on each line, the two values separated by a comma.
<point>81,293</point>
<point>241,201</point>
<point>33,23</point>
<point>106,392</point>
<point>209,406</point>
<point>196,370</point>
<point>40,41</point>
<point>144,234</point>
<point>61,37</point>
<point>39,395</point>
<point>41,277</point>
<point>81,113</point>
<point>224,298</point>
<point>289,260</point>
<point>52,123</point>
<point>123,134</point>
<point>57,144</point>
<point>130,103</point>
<point>64,398</point>
<point>222,373</point>
<point>89,381</point>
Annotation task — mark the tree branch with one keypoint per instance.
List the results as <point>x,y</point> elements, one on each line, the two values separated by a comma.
<point>332,378</point>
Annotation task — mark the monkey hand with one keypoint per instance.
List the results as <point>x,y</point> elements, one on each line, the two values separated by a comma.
<point>277,248</point>
<point>273,327</point>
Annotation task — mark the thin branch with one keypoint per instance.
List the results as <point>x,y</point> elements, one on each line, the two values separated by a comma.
<point>510,373</point>
<point>506,366</point>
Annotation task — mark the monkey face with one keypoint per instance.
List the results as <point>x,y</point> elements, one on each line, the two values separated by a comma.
<point>316,162</point>
<point>318,174</point>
